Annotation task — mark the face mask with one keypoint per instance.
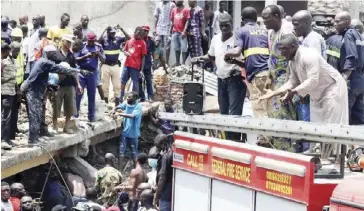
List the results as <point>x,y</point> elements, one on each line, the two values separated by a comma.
<point>153,162</point>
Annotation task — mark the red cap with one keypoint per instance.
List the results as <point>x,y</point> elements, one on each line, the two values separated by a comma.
<point>146,28</point>
<point>91,36</point>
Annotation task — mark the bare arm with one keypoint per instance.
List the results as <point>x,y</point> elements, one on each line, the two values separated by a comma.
<point>143,61</point>
<point>132,183</point>
<point>127,36</point>
<point>235,52</point>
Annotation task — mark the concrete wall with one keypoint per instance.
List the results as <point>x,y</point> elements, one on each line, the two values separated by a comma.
<point>128,14</point>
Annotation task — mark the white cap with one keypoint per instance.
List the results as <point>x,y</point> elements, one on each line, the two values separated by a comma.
<point>64,64</point>
<point>68,37</point>
<point>49,48</point>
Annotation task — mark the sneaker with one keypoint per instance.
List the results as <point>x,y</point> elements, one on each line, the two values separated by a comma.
<point>6,146</point>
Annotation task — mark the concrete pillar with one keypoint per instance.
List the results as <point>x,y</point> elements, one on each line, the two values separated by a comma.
<point>237,14</point>
<point>270,2</point>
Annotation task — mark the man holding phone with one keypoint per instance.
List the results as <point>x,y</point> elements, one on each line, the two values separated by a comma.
<point>88,59</point>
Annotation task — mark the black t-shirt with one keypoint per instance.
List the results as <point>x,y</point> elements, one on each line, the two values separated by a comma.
<point>165,168</point>
<point>70,59</point>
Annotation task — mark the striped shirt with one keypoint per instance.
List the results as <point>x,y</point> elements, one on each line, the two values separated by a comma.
<point>8,77</point>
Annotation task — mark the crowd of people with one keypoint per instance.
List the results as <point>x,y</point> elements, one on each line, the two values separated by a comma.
<point>142,191</point>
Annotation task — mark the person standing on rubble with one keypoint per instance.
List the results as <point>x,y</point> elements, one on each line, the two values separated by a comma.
<point>8,90</point>
<point>352,65</point>
<point>196,29</point>
<point>35,86</point>
<point>231,88</point>
<point>106,179</point>
<point>277,64</point>
<point>147,70</point>
<point>312,75</point>
<point>88,58</point>
<point>111,68</point>
<point>135,51</point>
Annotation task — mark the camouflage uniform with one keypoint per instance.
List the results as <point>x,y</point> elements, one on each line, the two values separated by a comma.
<point>106,179</point>
<point>35,88</point>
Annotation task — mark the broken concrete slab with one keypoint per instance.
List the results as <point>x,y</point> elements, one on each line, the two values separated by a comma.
<point>80,167</point>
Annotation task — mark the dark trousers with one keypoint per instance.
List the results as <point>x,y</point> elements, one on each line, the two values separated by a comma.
<point>36,114</point>
<point>231,95</point>
<point>14,118</point>
<point>6,107</point>
<point>356,106</point>
<point>90,82</point>
<point>148,83</point>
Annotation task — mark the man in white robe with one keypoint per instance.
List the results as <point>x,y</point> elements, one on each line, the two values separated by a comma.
<point>310,74</point>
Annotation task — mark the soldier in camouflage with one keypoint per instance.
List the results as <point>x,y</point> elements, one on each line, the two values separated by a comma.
<point>34,89</point>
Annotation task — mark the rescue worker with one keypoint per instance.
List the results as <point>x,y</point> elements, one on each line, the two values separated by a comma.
<point>147,70</point>
<point>106,179</point>
<point>111,68</point>
<point>352,65</point>
<point>333,46</point>
<point>8,90</point>
<point>312,75</point>
<point>251,37</point>
<point>231,88</point>
<point>34,89</point>
<point>88,59</point>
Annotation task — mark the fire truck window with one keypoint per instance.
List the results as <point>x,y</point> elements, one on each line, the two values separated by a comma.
<point>264,202</point>
<point>239,198</point>
<point>191,191</point>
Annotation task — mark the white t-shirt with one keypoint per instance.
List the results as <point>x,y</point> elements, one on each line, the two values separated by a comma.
<point>6,206</point>
<point>218,49</point>
<point>315,41</point>
<point>215,22</point>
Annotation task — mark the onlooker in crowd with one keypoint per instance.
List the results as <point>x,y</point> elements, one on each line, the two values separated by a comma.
<point>33,40</point>
<point>17,191</point>
<point>85,30</point>
<point>123,199</point>
<point>111,68</point>
<point>163,194</point>
<point>217,13</point>
<point>132,113</point>
<point>8,90</point>
<point>163,24</point>
<point>285,24</point>
<point>42,22</point>
<point>5,195</point>
<point>137,176</point>
<point>135,51</point>
<point>42,43</point>
<point>208,20</point>
<point>141,187</point>
<point>5,36</point>
<point>153,157</point>
<point>147,70</point>
<point>77,31</point>
<point>106,179</point>
<point>55,33</point>
<point>311,75</point>
<point>159,60</point>
<point>91,196</point>
<point>196,29</point>
<point>231,88</point>
<point>34,88</point>
<point>180,17</point>
<point>358,25</point>
<point>8,28</point>
<point>278,72</point>
<point>66,93</point>
<point>13,24</point>
<point>352,65</point>
<point>88,59</point>
<point>146,201</point>
<point>27,203</point>
<point>59,207</point>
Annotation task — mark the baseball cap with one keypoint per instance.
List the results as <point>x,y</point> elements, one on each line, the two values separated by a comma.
<point>49,48</point>
<point>146,28</point>
<point>58,207</point>
<point>68,37</point>
<point>91,36</point>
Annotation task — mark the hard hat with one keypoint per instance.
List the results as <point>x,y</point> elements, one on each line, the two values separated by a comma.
<point>17,33</point>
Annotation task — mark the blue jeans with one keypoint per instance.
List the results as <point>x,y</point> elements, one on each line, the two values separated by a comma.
<point>303,112</point>
<point>148,83</point>
<point>179,43</point>
<point>132,73</point>
<point>231,95</point>
<point>165,205</point>
<point>128,142</point>
<point>90,82</point>
<point>356,106</point>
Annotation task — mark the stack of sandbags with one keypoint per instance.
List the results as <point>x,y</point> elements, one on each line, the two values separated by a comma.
<point>160,81</point>
<point>327,7</point>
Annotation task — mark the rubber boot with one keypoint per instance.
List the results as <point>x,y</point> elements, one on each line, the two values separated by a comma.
<point>184,57</point>
<point>178,56</point>
<point>117,101</point>
<point>106,100</point>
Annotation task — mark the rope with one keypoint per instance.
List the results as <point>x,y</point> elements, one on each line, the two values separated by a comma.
<point>45,183</point>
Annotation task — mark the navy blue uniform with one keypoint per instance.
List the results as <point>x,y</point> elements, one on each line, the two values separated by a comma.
<point>253,39</point>
<point>352,58</point>
<point>112,49</point>
<point>333,46</point>
<point>34,88</point>
<point>147,70</point>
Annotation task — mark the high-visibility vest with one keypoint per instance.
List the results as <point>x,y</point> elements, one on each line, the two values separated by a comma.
<point>20,71</point>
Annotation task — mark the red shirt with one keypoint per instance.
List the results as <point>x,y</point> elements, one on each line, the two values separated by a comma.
<point>15,202</point>
<point>137,49</point>
<point>179,17</point>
